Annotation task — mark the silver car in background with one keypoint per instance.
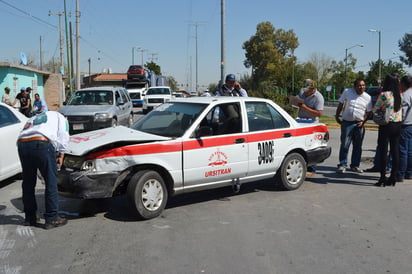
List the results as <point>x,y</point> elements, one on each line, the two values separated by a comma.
<point>98,107</point>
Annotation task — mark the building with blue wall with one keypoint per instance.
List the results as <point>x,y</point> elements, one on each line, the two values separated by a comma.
<point>48,85</point>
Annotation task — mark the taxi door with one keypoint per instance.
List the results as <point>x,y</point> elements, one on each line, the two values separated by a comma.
<point>220,157</point>
<point>269,138</point>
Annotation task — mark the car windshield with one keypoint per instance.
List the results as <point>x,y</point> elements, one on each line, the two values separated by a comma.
<point>170,119</point>
<point>92,97</point>
<point>153,91</point>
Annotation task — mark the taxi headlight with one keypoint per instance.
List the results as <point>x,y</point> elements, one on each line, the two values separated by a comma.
<point>88,165</point>
<point>102,117</point>
<point>73,162</point>
<point>79,163</point>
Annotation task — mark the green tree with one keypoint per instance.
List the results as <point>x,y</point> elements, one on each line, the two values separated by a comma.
<point>172,83</point>
<point>405,45</point>
<point>387,68</point>
<point>153,67</point>
<point>270,54</point>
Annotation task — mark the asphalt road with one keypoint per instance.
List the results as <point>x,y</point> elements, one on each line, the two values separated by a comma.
<point>335,223</point>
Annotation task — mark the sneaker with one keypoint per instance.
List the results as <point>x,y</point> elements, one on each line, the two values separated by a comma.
<point>59,222</point>
<point>356,169</point>
<point>341,169</point>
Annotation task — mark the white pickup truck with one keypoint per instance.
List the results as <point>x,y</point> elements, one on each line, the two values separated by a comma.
<point>156,96</point>
<point>192,144</point>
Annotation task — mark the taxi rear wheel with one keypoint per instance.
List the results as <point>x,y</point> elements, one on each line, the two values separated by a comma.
<point>148,194</point>
<point>292,173</point>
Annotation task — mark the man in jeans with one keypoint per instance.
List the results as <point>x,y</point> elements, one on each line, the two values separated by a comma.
<point>405,141</point>
<point>44,137</point>
<point>355,105</point>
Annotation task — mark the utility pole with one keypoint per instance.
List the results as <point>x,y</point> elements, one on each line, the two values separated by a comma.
<point>69,64</point>
<point>153,56</point>
<point>142,50</point>
<point>61,40</point>
<point>78,72</point>
<point>90,70</point>
<point>41,55</point>
<point>196,24</point>
<point>222,41</point>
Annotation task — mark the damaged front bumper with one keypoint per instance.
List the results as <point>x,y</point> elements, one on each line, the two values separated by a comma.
<point>87,185</point>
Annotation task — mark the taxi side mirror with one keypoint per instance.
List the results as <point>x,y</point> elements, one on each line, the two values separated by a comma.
<point>203,131</point>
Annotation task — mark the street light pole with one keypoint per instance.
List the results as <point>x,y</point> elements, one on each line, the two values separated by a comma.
<point>379,56</point>
<point>346,61</point>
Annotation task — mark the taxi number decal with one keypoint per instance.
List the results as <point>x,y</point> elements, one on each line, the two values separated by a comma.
<point>265,152</point>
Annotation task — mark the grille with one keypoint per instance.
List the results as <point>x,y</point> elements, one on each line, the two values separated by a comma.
<point>156,100</point>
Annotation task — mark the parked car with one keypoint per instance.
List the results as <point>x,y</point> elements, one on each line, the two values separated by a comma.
<point>98,107</point>
<point>156,96</point>
<point>11,123</point>
<point>192,144</point>
<point>374,93</point>
<point>137,72</point>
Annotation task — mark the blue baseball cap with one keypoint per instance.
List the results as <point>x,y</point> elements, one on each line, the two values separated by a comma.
<point>230,78</point>
<point>23,89</point>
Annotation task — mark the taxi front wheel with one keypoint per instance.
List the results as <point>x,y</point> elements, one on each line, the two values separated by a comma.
<point>292,173</point>
<point>147,192</point>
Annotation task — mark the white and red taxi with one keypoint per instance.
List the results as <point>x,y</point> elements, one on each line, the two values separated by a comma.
<point>192,144</point>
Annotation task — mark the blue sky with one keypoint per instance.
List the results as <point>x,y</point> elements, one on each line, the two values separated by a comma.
<point>166,30</point>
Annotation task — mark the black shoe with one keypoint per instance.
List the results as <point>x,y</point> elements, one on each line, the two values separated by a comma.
<point>59,222</point>
<point>381,183</point>
<point>32,222</point>
<point>390,182</point>
<point>372,169</point>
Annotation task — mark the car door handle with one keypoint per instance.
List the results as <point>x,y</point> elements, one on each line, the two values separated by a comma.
<point>240,140</point>
<point>287,135</point>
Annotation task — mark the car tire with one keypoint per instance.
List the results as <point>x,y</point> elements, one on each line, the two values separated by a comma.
<point>114,122</point>
<point>130,120</point>
<point>148,193</point>
<point>292,172</point>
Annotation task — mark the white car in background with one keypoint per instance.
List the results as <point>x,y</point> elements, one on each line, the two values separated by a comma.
<point>11,123</point>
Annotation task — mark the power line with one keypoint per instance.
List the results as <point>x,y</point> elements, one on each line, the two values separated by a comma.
<point>34,18</point>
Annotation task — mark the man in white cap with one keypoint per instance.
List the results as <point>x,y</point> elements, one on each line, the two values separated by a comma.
<point>313,103</point>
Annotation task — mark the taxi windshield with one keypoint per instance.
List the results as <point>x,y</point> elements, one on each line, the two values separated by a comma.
<point>170,119</point>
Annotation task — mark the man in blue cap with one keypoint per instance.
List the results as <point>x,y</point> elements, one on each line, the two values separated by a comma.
<point>231,87</point>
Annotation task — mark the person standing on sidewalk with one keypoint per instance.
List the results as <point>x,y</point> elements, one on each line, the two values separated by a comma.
<point>43,137</point>
<point>355,105</point>
<point>389,100</point>
<point>405,141</point>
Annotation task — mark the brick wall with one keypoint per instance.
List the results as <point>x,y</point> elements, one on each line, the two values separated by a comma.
<point>53,91</point>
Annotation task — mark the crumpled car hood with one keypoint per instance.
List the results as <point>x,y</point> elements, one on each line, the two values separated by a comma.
<point>83,143</point>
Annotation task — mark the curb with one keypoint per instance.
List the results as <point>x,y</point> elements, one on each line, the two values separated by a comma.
<point>367,126</point>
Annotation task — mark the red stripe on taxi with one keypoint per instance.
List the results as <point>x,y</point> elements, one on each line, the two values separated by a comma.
<point>173,146</point>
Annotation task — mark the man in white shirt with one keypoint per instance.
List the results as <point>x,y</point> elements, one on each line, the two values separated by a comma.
<point>355,105</point>
<point>43,137</point>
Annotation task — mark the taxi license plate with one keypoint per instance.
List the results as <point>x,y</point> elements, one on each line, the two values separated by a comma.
<point>78,127</point>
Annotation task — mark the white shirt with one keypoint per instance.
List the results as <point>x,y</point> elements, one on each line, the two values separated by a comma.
<point>50,124</point>
<point>355,106</point>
